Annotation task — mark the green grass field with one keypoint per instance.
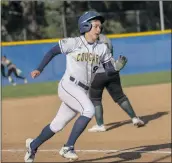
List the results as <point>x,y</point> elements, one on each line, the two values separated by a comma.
<point>50,88</point>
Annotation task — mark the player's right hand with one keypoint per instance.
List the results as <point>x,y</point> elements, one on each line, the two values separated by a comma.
<point>35,73</point>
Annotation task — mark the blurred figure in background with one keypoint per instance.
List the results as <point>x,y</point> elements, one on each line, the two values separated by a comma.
<point>114,88</point>
<point>11,68</point>
<point>3,70</point>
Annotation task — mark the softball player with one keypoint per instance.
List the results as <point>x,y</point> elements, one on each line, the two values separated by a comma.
<point>113,86</point>
<point>12,69</point>
<point>3,70</point>
<point>83,56</point>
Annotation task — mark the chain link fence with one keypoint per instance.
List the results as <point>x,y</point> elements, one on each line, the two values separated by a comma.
<point>123,22</point>
<point>59,26</point>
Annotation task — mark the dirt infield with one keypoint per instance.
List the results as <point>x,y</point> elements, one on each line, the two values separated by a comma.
<point>23,118</point>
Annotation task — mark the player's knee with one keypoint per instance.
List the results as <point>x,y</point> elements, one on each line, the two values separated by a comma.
<point>56,126</point>
<point>97,103</point>
<point>118,97</point>
<point>122,99</point>
<point>89,112</point>
<point>95,94</point>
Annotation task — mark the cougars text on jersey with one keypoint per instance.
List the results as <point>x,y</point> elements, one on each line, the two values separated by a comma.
<point>88,57</point>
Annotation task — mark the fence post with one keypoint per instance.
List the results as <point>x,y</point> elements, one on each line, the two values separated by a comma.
<point>64,20</point>
<point>161,14</point>
<point>138,20</point>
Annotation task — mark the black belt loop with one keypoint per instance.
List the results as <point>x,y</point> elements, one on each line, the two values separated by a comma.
<point>79,83</point>
<point>72,78</point>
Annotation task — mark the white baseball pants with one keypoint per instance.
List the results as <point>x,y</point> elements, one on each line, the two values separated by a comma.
<point>74,100</point>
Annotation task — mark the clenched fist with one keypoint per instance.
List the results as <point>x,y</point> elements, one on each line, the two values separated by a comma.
<point>35,73</point>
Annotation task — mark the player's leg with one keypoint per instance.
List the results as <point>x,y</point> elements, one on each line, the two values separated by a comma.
<point>10,79</point>
<point>75,100</point>
<point>18,74</point>
<point>3,70</point>
<point>115,90</point>
<point>63,116</point>
<point>95,94</point>
<point>76,97</point>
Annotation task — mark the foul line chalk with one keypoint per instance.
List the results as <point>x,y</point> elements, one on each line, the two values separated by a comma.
<point>91,151</point>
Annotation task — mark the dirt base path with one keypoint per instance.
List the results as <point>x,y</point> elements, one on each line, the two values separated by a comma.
<point>23,118</point>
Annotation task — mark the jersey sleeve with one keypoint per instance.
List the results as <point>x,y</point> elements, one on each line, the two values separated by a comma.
<point>107,55</point>
<point>109,43</point>
<point>104,39</point>
<point>67,45</point>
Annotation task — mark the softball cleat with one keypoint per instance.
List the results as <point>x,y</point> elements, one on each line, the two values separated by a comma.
<point>30,154</point>
<point>69,153</point>
<point>97,128</point>
<point>137,122</point>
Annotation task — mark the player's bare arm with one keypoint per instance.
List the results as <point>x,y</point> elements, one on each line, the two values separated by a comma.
<point>47,58</point>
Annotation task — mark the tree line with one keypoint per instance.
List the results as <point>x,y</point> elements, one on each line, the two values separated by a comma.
<point>30,20</point>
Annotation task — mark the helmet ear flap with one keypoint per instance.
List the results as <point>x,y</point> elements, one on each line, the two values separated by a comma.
<point>85,27</point>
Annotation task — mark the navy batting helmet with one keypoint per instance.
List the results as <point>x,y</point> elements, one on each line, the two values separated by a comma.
<point>84,21</point>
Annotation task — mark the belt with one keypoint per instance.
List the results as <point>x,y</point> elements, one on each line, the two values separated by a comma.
<point>79,83</point>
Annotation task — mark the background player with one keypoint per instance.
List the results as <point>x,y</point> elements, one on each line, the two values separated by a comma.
<point>3,70</point>
<point>83,54</point>
<point>113,86</point>
<point>11,68</point>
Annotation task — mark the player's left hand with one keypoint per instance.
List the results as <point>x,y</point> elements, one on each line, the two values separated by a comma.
<point>120,63</point>
<point>122,59</point>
